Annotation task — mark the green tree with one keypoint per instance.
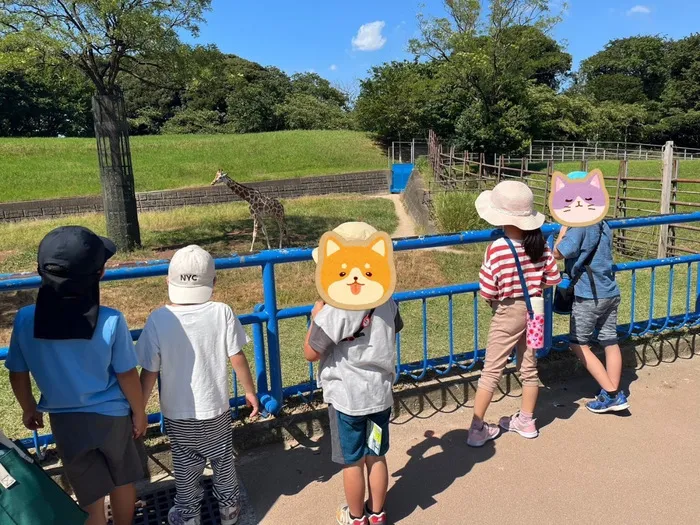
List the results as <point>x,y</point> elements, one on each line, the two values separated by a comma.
<point>617,87</point>
<point>41,96</point>
<point>253,100</point>
<point>683,128</point>
<point>682,90</point>
<point>492,59</point>
<point>393,100</point>
<point>318,87</point>
<point>103,39</point>
<point>640,58</point>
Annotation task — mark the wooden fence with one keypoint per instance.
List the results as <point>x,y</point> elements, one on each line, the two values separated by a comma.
<point>651,188</point>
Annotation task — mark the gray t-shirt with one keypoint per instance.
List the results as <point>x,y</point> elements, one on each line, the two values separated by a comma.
<point>357,375</point>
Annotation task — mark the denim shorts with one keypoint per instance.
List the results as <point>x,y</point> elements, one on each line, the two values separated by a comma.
<point>349,435</point>
<point>589,315</point>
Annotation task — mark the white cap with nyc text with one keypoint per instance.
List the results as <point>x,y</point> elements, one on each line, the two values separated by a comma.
<point>191,276</point>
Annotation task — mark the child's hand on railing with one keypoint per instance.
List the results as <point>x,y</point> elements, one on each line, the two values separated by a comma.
<point>33,419</point>
<point>251,400</point>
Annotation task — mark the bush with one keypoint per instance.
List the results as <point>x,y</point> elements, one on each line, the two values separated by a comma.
<point>200,121</point>
<point>424,167</point>
<point>455,212</point>
<point>304,111</point>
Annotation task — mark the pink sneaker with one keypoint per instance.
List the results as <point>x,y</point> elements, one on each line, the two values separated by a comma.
<point>375,518</point>
<point>343,517</point>
<point>515,424</point>
<point>487,432</point>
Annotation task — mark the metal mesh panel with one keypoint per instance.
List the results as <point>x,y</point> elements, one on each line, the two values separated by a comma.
<point>159,502</point>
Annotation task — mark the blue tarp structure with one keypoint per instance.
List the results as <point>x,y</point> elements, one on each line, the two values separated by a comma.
<point>400,173</point>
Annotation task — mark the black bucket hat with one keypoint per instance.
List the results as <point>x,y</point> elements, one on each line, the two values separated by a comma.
<point>70,263</point>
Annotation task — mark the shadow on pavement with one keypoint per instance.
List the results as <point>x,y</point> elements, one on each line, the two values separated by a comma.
<point>293,469</point>
<point>424,477</point>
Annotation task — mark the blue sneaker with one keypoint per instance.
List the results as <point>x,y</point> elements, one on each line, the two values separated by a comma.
<point>604,403</point>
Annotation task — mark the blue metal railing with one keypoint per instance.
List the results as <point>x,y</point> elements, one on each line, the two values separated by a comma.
<point>265,317</point>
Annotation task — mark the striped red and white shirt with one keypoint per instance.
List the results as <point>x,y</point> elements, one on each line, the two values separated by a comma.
<point>499,280</point>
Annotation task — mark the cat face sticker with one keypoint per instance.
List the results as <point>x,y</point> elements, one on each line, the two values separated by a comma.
<point>578,202</point>
<point>355,275</point>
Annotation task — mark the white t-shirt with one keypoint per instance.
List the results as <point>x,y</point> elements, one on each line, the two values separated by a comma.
<point>190,346</point>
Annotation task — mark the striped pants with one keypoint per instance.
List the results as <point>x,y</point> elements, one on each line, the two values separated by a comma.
<point>193,442</point>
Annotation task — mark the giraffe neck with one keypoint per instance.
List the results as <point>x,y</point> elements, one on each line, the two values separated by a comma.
<point>243,192</point>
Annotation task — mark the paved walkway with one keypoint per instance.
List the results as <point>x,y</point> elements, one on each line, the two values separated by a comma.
<point>637,468</point>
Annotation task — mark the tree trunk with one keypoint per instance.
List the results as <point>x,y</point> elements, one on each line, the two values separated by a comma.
<point>116,172</point>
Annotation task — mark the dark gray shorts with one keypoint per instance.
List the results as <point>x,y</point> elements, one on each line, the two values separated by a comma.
<point>98,453</point>
<point>589,315</point>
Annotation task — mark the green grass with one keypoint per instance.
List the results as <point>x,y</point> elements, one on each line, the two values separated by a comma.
<point>50,167</point>
<point>455,211</point>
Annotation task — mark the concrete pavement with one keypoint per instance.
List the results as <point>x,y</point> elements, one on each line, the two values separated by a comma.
<point>641,467</point>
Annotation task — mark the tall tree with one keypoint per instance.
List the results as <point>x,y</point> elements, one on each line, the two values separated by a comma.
<point>103,39</point>
<point>626,67</point>
<point>494,58</point>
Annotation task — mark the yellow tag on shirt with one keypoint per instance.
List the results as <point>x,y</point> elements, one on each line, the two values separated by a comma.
<point>374,437</point>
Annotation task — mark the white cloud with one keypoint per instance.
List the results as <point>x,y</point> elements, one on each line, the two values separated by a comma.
<point>333,67</point>
<point>639,10</point>
<point>369,37</point>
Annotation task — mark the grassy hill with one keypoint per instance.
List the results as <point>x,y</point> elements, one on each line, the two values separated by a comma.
<point>51,167</point>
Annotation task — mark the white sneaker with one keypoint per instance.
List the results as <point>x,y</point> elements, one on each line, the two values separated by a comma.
<point>229,515</point>
<point>175,517</point>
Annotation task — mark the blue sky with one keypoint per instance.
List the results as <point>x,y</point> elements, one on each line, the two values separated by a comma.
<point>341,40</point>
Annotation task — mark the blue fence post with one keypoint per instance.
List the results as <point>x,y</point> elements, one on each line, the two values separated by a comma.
<point>260,364</point>
<point>548,310</point>
<point>697,288</point>
<point>274,403</point>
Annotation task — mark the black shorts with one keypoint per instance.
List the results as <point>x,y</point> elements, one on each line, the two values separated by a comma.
<point>98,453</point>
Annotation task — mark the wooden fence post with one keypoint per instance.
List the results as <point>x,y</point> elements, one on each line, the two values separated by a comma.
<point>464,166</point>
<point>673,208</point>
<point>480,173</point>
<point>619,235</point>
<point>449,165</point>
<point>550,170</point>
<point>666,188</point>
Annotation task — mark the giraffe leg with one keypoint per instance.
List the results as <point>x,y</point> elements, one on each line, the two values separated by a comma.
<point>264,230</point>
<point>283,230</point>
<point>255,231</point>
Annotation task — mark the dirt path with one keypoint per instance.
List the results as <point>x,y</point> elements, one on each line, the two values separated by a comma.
<point>406,226</point>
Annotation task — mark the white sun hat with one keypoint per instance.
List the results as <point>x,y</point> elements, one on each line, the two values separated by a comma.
<point>191,276</point>
<point>510,203</point>
<point>351,231</point>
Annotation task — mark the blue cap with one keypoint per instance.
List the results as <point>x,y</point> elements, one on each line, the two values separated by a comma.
<point>577,175</point>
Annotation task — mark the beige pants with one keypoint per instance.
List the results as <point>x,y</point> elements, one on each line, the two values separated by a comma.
<point>507,331</point>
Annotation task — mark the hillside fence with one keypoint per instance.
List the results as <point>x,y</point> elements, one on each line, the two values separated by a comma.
<point>633,193</point>
<point>563,151</point>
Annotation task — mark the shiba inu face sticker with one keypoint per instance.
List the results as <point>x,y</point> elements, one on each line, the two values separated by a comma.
<point>355,274</point>
<point>578,199</point>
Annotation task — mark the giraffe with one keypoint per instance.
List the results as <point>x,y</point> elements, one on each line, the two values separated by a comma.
<point>260,205</point>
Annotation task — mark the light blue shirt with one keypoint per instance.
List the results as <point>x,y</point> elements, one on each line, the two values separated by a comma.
<point>75,375</point>
<point>576,246</point>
